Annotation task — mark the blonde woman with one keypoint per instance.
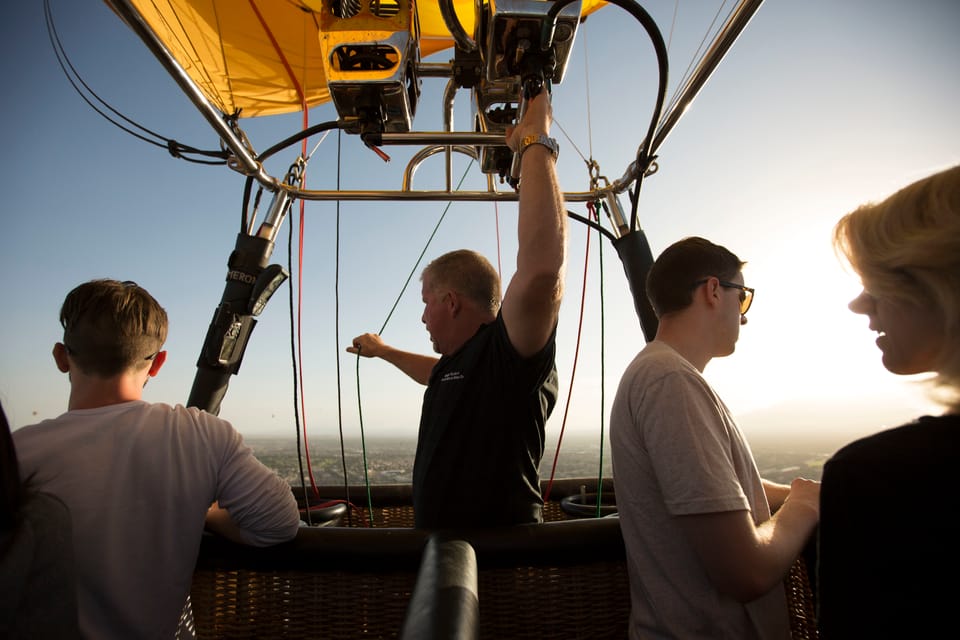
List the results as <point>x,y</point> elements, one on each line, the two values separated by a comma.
<point>889,538</point>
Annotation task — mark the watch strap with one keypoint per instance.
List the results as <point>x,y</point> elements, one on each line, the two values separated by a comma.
<point>540,139</point>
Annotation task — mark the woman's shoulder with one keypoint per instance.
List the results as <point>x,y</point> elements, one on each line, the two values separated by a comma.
<point>928,437</point>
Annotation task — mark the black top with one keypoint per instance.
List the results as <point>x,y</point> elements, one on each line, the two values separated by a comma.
<point>889,547</point>
<point>482,432</point>
<point>37,572</point>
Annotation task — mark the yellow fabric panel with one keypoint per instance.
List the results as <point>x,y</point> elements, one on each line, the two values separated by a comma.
<point>230,48</point>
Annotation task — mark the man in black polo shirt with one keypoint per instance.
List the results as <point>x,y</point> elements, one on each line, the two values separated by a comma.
<point>491,391</point>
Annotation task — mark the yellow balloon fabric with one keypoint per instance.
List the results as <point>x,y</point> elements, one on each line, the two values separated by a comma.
<point>264,57</point>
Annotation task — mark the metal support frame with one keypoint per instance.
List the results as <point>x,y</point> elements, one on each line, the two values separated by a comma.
<point>250,280</point>
<point>250,166</point>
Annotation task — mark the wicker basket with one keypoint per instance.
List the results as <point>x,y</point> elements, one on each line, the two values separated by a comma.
<point>566,578</point>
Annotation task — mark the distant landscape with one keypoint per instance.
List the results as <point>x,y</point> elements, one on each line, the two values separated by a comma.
<point>390,460</point>
<point>787,441</point>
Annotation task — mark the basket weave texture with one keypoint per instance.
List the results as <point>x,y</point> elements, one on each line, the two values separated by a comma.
<point>567,592</point>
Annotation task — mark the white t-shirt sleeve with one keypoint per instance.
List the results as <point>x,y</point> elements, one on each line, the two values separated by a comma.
<point>258,500</point>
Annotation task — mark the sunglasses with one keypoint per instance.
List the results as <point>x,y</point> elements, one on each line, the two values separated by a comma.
<point>746,293</point>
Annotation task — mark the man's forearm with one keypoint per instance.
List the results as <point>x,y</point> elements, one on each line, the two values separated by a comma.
<point>532,302</point>
<point>415,365</point>
<point>219,521</point>
<point>776,493</point>
<point>371,345</point>
<point>542,226</point>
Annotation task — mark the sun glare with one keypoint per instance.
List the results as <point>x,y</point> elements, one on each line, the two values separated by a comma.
<point>804,353</point>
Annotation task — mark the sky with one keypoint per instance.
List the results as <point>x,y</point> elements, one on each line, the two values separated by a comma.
<point>818,107</point>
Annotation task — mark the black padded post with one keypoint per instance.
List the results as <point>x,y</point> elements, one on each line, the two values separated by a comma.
<point>445,601</point>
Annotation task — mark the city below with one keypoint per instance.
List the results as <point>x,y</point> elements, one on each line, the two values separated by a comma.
<point>390,460</point>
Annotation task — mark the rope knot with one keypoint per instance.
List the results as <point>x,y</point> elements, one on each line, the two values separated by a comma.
<point>173,148</point>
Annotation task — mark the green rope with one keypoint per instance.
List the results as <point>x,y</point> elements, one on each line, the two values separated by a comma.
<point>422,253</point>
<point>363,445</point>
<point>363,440</point>
<point>603,384</point>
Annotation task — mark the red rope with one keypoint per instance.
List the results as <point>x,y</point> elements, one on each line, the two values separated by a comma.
<point>303,181</point>
<point>576,356</point>
<point>329,503</point>
<point>496,218</point>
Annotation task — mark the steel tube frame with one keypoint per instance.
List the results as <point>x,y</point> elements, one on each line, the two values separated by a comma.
<point>250,166</point>
<point>730,31</point>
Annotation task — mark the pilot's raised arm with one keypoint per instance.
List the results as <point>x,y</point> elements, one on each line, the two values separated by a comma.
<point>532,300</point>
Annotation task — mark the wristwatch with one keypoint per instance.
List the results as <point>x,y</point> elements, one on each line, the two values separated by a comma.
<point>539,138</point>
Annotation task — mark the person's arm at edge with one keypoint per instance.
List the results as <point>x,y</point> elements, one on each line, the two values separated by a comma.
<point>776,493</point>
<point>744,560</point>
<point>415,365</point>
<point>218,521</point>
<point>268,519</point>
<point>252,504</point>
<point>532,300</point>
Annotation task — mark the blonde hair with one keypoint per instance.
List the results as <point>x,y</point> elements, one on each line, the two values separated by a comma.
<point>907,248</point>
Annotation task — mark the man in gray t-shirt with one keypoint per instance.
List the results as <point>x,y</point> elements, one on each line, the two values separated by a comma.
<point>705,557</point>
